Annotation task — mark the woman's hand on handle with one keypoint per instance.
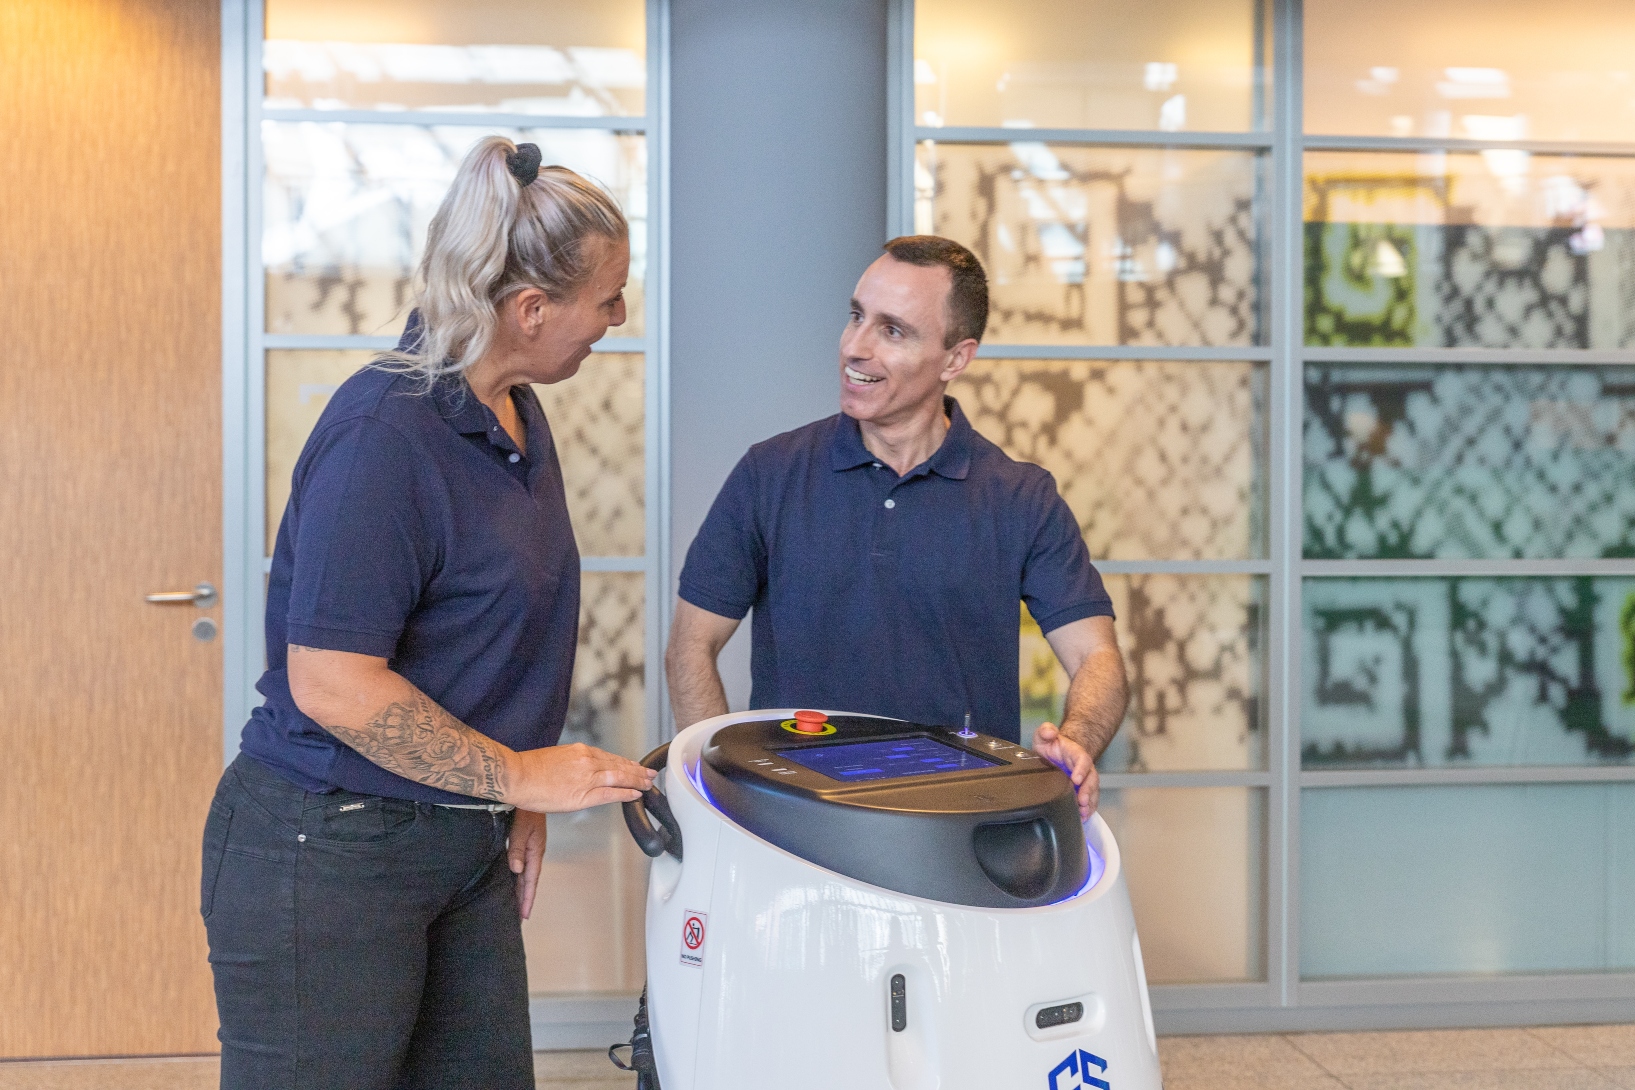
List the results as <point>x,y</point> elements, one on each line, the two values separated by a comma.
<point>574,777</point>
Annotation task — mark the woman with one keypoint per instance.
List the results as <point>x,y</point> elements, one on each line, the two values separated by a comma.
<point>368,854</point>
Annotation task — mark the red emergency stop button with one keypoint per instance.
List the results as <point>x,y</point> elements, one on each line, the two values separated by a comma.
<point>810,722</point>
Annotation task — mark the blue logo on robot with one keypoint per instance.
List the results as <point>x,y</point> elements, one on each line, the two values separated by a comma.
<point>1077,1068</point>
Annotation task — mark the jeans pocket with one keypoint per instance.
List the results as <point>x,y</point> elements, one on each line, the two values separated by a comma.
<point>216,827</point>
<point>359,820</point>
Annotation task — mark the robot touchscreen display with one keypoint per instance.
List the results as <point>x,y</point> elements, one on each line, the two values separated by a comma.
<point>854,762</point>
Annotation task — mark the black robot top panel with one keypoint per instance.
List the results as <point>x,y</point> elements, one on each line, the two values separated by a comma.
<point>955,817</point>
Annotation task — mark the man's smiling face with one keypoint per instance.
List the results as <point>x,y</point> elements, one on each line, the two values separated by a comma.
<point>893,359</point>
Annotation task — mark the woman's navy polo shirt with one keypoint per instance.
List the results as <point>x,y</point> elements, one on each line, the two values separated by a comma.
<point>893,595</point>
<point>417,531</point>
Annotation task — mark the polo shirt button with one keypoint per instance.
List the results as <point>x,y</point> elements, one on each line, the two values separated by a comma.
<point>515,458</point>
<point>890,504</point>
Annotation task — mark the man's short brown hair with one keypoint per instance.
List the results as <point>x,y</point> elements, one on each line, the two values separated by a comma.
<point>968,290</point>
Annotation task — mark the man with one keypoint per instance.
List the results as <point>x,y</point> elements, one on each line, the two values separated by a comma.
<point>885,550</point>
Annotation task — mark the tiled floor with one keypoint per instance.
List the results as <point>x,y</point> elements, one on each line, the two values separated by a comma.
<point>1559,1058</point>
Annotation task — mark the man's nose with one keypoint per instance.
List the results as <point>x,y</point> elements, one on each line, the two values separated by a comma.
<point>855,343</point>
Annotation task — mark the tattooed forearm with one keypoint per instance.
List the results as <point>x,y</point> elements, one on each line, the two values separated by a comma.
<point>421,742</point>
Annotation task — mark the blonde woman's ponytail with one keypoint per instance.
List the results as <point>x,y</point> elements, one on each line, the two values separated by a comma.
<point>504,225</point>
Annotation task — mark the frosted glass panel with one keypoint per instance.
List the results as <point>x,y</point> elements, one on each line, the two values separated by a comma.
<point>1194,859</point>
<point>586,933</point>
<point>1102,245</point>
<point>1470,462</point>
<point>299,385</point>
<point>1499,249</point>
<point>346,208</point>
<point>584,58</point>
<point>1192,652</point>
<point>1494,879</point>
<point>600,431</point>
<point>1434,672</point>
<point>596,420</point>
<point>1158,459</point>
<point>1479,69</point>
<point>1174,65</point>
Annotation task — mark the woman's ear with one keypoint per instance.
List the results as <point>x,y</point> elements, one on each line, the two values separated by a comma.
<point>529,309</point>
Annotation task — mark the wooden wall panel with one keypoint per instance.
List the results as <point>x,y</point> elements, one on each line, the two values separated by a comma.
<point>110,486</point>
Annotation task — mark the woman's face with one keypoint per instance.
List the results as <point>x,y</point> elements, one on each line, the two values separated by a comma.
<point>563,331</point>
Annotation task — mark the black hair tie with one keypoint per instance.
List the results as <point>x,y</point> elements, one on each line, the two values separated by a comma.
<point>524,163</point>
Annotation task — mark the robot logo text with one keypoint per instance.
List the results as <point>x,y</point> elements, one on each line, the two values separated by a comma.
<point>1073,1073</point>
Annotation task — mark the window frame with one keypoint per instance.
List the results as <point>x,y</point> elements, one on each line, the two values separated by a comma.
<point>559,1021</point>
<point>1284,1001</point>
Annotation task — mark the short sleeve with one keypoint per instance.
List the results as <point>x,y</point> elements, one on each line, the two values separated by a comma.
<point>363,549</point>
<point>726,564</point>
<point>1059,584</point>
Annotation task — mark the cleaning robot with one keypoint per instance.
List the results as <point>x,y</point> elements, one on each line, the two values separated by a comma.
<point>848,901</point>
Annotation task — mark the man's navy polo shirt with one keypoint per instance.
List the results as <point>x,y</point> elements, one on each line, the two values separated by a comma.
<point>886,594</point>
<point>417,531</point>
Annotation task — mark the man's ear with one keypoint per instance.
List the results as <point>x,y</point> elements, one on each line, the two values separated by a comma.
<point>959,358</point>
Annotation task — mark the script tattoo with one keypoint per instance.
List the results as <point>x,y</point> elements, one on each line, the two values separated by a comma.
<point>421,742</point>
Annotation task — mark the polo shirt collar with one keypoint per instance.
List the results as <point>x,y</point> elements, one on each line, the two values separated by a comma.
<point>464,411</point>
<point>952,459</point>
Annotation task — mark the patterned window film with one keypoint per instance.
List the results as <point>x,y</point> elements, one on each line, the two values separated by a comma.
<point>1103,245</point>
<point>1346,414</point>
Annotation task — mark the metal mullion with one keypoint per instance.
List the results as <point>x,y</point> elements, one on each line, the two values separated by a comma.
<point>1124,781</point>
<point>1117,138</point>
<point>302,341</point>
<point>613,563</point>
<point>1455,144</point>
<point>1493,774</point>
<point>240,580</point>
<point>1482,988</point>
<point>900,146</point>
<point>255,370</point>
<point>1242,354</point>
<point>1184,567</point>
<point>1514,357</point>
<point>1536,569</point>
<point>656,385</point>
<point>1284,529</point>
<point>458,118</point>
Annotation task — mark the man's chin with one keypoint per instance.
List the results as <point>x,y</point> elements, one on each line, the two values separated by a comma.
<point>859,407</point>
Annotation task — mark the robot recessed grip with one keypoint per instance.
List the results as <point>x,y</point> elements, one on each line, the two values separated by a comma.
<point>1020,857</point>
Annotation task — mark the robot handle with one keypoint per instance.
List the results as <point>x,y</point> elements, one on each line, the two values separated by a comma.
<point>666,836</point>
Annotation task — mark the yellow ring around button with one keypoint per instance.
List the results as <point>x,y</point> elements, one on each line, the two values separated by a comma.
<point>790,726</point>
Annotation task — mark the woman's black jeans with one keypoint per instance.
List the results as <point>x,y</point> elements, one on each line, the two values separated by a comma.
<point>361,943</point>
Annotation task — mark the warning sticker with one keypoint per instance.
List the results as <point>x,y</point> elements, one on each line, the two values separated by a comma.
<point>692,939</point>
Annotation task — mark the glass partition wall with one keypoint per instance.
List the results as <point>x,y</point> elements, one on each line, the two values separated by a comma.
<point>1323,316</point>
<point>354,118</point>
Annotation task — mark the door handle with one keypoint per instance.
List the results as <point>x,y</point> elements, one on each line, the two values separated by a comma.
<point>203,596</point>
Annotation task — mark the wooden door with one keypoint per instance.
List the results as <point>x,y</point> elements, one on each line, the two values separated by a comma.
<point>110,487</point>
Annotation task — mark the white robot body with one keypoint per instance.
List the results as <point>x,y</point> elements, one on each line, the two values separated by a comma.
<point>765,969</point>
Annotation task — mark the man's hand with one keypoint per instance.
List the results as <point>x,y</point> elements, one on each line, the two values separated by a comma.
<point>526,850</point>
<point>1073,759</point>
